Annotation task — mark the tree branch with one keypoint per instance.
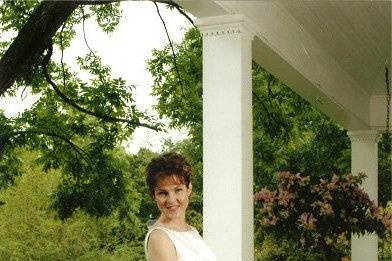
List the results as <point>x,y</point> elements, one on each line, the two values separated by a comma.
<point>32,40</point>
<point>70,102</point>
<point>97,2</point>
<point>172,49</point>
<point>62,52</point>
<point>178,7</point>
<point>84,30</point>
<point>75,147</point>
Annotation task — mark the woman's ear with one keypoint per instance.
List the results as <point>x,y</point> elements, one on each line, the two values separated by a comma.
<point>190,187</point>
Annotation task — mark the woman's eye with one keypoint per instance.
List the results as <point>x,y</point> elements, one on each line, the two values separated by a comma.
<point>178,190</point>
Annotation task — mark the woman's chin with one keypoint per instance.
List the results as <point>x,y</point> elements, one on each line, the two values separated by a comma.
<point>173,214</point>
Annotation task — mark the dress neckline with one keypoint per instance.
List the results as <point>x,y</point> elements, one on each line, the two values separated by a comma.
<point>191,229</point>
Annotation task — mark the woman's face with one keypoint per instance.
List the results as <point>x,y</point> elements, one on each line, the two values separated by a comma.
<point>172,197</point>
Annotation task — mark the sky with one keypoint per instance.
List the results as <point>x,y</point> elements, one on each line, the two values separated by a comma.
<point>126,51</point>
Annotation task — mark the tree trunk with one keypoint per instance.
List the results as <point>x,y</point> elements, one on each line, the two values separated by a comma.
<point>32,40</point>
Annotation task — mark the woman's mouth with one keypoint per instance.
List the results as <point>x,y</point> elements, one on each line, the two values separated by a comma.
<point>172,208</point>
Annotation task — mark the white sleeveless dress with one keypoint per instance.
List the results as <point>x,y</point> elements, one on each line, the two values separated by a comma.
<point>189,245</point>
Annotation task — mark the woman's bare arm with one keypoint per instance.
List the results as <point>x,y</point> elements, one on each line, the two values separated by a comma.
<point>160,247</point>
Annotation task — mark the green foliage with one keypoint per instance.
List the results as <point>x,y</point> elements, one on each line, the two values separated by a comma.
<point>93,181</point>
<point>385,169</point>
<point>273,249</point>
<point>14,14</point>
<point>385,246</point>
<point>104,95</point>
<point>77,143</point>
<point>9,165</point>
<point>179,99</point>
<point>30,230</point>
<point>146,208</point>
<point>107,16</point>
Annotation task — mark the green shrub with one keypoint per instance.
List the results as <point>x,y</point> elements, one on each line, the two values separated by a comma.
<point>30,230</point>
<point>273,249</point>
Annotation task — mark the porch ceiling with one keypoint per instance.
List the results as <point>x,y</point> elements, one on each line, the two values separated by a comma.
<point>333,53</point>
<point>355,34</point>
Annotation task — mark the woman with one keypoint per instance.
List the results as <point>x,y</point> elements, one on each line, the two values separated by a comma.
<point>171,238</point>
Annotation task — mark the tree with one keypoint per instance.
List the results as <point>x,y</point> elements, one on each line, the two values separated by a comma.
<point>33,37</point>
<point>37,23</point>
<point>75,124</point>
<point>31,229</point>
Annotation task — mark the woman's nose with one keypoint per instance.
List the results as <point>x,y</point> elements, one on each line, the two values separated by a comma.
<point>171,197</point>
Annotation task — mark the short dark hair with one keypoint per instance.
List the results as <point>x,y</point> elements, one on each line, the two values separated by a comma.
<point>167,165</point>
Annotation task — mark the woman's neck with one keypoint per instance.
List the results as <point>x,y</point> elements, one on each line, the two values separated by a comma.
<point>176,224</point>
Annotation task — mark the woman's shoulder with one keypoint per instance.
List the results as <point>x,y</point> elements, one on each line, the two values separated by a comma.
<point>159,245</point>
<point>175,236</point>
<point>158,234</point>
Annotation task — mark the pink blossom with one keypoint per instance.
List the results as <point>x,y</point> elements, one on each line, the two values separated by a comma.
<point>267,209</point>
<point>283,175</point>
<point>305,180</point>
<point>387,221</point>
<point>326,209</point>
<point>333,184</point>
<point>307,221</point>
<point>315,189</point>
<point>265,195</point>
<point>340,198</point>
<point>323,182</point>
<point>285,197</point>
<point>327,196</point>
<point>269,221</point>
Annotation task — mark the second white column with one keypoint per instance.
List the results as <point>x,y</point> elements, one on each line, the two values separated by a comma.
<point>364,159</point>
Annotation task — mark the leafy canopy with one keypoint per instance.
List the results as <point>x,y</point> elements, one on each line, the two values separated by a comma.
<point>76,123</point>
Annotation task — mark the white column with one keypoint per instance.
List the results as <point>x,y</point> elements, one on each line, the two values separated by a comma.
<point>364,159</point>
<point>227,137</point>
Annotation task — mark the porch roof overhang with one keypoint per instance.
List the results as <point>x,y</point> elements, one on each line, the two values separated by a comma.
<point>332,53</point>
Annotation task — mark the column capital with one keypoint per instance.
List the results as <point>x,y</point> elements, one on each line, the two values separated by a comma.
<point>214,26</point>
<point>364,136</point>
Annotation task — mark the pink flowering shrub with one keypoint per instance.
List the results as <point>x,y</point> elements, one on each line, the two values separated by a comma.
<point>317,214</point>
